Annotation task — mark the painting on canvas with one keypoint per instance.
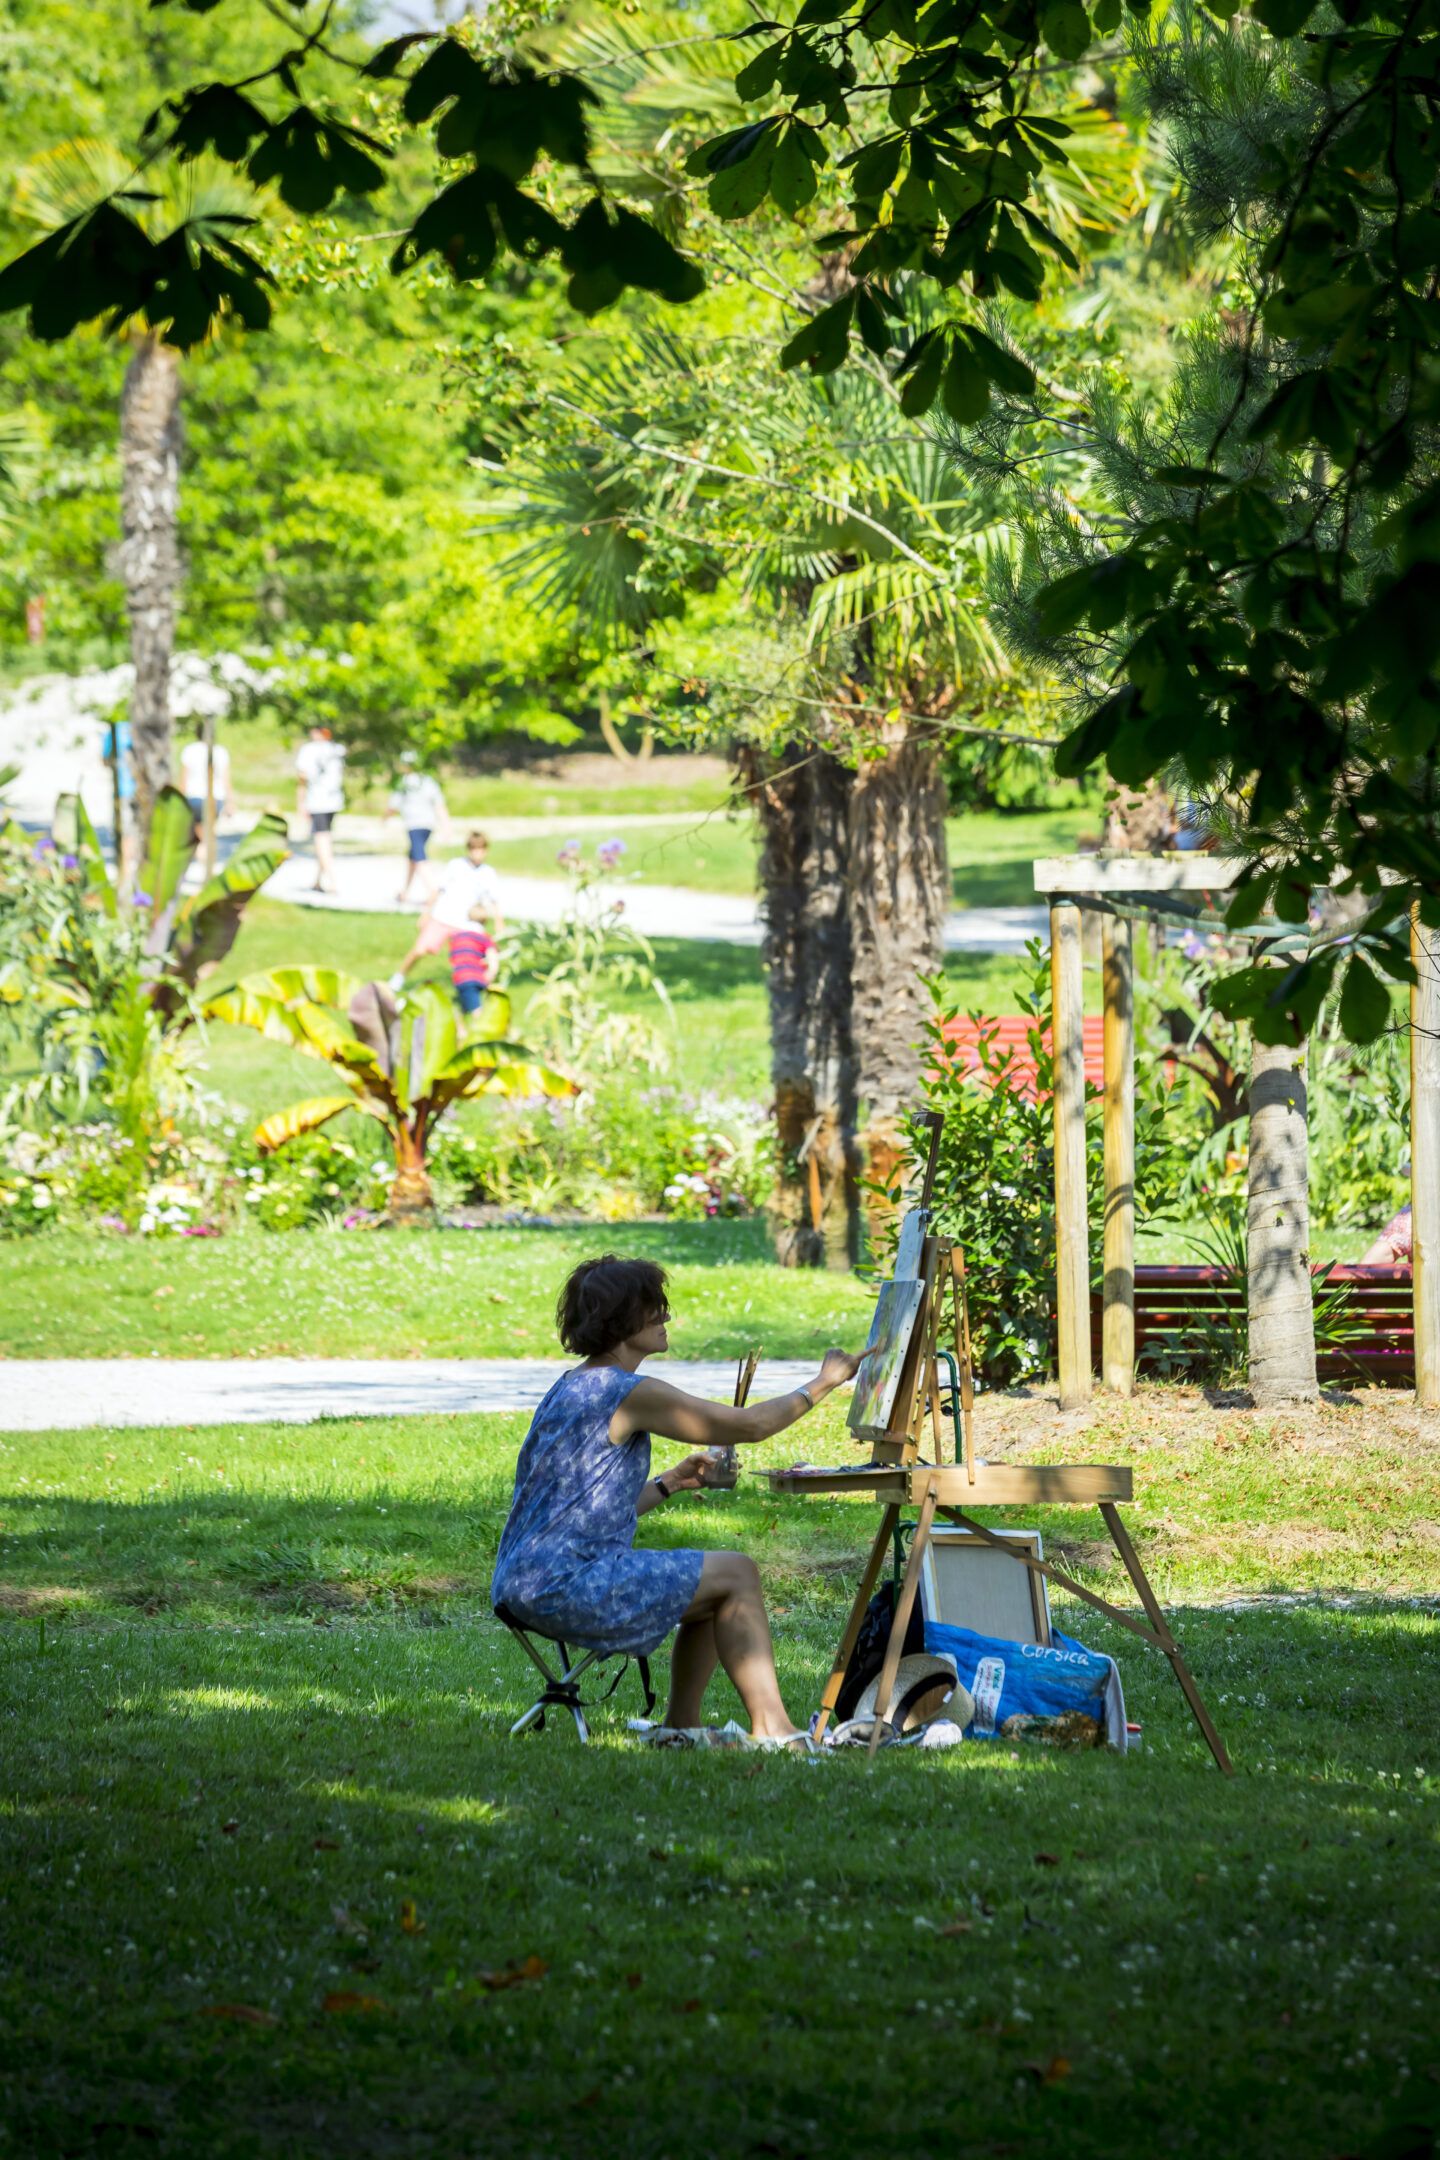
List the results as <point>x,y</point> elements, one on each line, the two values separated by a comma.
<point>913,1232</point>
<point>878,1380</point>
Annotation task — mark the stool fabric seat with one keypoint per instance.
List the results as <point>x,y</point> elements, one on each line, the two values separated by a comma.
<point>562,1689</point>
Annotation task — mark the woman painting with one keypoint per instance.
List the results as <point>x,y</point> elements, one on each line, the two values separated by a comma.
<point>567,1564</point>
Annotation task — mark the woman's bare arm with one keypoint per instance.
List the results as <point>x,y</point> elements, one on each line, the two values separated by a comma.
<point>655,1406</point>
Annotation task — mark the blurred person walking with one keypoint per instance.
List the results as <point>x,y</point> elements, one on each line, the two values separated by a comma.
<point>320,796</point>
<point>419,803</point>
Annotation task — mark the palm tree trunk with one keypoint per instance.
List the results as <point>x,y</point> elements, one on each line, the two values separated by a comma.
<point>899,897</point>
<point>1282,1312</point>
<point>149,555</point>
<point>801,797</point>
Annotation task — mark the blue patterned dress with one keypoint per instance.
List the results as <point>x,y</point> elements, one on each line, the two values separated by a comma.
<point>567,1564</point>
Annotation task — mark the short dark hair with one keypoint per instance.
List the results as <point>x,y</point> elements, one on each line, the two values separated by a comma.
<point>607,1300</point>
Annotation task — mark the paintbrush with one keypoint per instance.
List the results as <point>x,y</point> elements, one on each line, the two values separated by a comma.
<point>726,1473</point>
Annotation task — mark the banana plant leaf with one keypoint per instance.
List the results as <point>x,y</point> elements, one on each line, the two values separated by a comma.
<point>301,1117</point>
<point>492,1020</point>
<point>167,857</point>
<point>208,923</point>
<point>373,1012</point>
<point>314,1030</point>
<point>206,926</point>
<point>294,985</point>
<point>493,1069</point>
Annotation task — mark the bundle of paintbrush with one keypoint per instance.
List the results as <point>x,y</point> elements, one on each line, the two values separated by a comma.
<point>726,1460</point>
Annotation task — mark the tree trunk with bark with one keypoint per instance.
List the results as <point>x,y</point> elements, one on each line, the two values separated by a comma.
<point>801,797</point>
<point>1282,1312</point>
<point>898,878</point>
<point>149,554</point>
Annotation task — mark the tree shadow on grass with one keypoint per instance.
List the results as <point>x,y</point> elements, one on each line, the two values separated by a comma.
<point>277,1818</point>
<point>258,1554</point>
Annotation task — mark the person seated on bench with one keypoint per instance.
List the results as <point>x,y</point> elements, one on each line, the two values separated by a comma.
<point>567,1566</point>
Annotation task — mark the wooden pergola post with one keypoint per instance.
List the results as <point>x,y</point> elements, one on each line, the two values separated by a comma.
<point>1425,1159</point>
<point>1072,1248</point>
<point>1061,880</point>
<point>1117,1344</point>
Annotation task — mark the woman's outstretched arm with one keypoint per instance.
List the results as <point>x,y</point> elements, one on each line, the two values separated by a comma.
<point>654,1406</point>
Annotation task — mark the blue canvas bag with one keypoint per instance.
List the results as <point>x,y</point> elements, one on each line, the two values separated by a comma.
<point>1030,1680</point>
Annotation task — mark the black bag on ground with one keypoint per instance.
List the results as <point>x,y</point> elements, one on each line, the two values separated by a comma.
<point>871,1644</point>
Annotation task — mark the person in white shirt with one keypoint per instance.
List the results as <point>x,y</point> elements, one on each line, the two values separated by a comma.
<point>320,796</point>
<point>203,766</point>
<point>469,895</point>
<point>416,799</point>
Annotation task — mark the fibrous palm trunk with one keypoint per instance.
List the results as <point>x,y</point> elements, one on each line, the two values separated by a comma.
<point>801,797</point>
<point>149,555</point>
<point>1281,1305</point>
<point>898,881</point>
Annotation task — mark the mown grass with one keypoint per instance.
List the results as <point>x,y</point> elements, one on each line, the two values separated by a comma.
<point>272,1871</point>
<point>482,1293</point>
<point>991,853</point>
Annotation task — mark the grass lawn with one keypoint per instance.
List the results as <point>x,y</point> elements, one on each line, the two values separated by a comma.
<point>991,854</point>
<point>483,1293</point>
<point>276,1881</point>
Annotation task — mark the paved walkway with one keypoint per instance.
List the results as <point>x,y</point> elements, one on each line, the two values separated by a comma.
<point>45,1394</point>
<point>367,886</point>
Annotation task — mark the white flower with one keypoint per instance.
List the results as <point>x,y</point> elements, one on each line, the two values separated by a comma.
<point>146,1224</point>
<point>40,1195</point>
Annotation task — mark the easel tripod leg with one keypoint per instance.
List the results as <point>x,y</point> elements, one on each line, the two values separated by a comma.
<point>1167,1641</point>
<point>904,1605</point>
<point>851,1635</point>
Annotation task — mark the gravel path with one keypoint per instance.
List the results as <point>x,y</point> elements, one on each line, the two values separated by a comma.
<point>46,1394</point>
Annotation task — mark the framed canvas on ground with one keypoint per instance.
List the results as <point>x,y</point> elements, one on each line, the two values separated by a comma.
<point>968,1584</point>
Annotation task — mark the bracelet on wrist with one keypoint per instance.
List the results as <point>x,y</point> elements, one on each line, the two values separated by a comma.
<point>661,1487</point>
<point>809,1398</point>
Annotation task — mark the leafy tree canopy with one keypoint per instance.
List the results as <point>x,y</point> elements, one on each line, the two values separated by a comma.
<point>1258,609</point>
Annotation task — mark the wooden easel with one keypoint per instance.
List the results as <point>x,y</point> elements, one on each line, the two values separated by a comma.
<point>900,1480</point>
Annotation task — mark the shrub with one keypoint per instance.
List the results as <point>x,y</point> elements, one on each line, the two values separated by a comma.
<point>995,1187</point>
<point>93,1175</point>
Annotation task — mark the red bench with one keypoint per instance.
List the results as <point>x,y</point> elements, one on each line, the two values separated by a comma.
<point>1174,1305</point>
<point>1011,1032</point>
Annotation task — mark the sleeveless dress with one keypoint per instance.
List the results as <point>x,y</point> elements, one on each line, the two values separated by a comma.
<point>567,1564</point>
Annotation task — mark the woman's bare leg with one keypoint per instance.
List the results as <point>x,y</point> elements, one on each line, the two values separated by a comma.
<point>692,1661</point>
<point>729,1594</point>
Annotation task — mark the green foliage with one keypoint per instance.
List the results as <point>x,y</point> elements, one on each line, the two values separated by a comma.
<point>995,1186</point>
<point>403,1059</point>
<point>586,965</point>
<point>95,1177</point>
<point>618,1152</point>
<point>282,126</point>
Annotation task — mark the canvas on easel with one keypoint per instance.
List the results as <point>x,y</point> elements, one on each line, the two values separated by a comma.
<point>909,1418</point>
<point>896,1311</point>
<point>910,1250</point>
